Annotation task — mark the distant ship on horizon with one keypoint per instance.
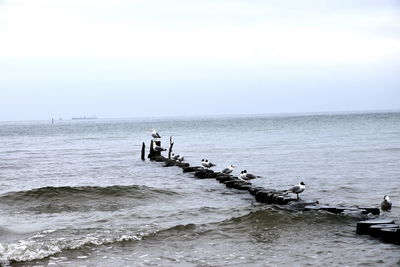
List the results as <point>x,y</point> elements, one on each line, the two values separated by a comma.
<point>85,118</point>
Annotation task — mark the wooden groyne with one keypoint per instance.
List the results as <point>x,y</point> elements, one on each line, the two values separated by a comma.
<point>385,229</point>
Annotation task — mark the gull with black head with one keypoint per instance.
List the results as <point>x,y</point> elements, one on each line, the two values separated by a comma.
<point>207,164</point>
<point>297,189</point>
<point>244,175</point>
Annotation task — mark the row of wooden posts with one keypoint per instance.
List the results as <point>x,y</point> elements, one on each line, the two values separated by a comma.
<point>385,229</point>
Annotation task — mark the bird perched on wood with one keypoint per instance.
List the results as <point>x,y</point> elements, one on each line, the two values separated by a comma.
<point>386,204</point>
<point>203,162</point>
<point>154,134</point>
<point>181,159</point>
<point>207,164</point>
<point>158,148</point>
<point>175,157</point>
<point>228,169</point>
<point>297,189</point>
<point>244,175</point>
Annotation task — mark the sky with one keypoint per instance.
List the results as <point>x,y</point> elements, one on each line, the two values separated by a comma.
<point>127,58</point>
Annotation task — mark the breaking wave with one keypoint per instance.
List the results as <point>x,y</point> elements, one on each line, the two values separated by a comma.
<point>47,194</point>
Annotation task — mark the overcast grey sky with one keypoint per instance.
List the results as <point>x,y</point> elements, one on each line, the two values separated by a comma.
<point>124,58</point>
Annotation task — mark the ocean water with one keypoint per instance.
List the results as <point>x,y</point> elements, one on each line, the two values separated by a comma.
<point>77,194</point>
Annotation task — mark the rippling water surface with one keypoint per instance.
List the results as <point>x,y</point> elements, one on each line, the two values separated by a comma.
<point>77,193</point>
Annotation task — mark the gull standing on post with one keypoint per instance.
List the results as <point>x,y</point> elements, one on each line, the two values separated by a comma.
<point>386,204</point>
<point>208,164</point>
<point>158,148</point>
<point>228,169</point>
<point>154,134</point>
<point>297,189</point>
<point>244,175</point>
<point>203,162</point>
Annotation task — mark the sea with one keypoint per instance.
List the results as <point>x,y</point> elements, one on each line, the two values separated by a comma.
<point>76,193</point>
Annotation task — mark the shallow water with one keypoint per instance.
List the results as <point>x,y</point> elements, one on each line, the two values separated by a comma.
<point>76,192</point>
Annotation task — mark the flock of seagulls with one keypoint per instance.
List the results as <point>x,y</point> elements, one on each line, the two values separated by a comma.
<point>386,204</point>
<point>245,176</point>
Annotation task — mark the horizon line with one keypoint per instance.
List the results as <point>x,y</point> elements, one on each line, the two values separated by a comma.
<point>305,113</point>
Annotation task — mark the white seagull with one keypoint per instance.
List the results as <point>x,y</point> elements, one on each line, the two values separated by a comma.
<point>181,159</point>
<point>228,169</point>
<point>175,157</point>
<point>154,134</point>
<point>203,162</point>
<point>207,164</point>
<point>386,204</point>
<point>244,175</point>
<point>297,189</point>
<point>158,148</point>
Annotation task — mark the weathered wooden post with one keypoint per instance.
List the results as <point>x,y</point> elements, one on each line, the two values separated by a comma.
<point>154,153</point>
<point>171,144</point>
<point>143,151</point>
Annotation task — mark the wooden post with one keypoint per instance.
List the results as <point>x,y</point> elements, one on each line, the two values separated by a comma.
<point>153,153</point>
<point>143,151</point>
<point>171,144</point>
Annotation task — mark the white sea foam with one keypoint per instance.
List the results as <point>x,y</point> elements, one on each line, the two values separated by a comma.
<point>34,249</point>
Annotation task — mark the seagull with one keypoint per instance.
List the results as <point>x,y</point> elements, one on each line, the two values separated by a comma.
<point>386,204</point>
<point>158,148</point>
<point>154,134</point>
<point>181,159</point>
<point>175,157</point>
<point>208,164</point>
<point>228,169</point>
<point>297,189</point>
<point>203,162</point>
<point>244,175</point>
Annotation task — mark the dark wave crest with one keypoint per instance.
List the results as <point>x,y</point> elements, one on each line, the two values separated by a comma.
<point>70,199</point>
<point>279,218</point>
<point>86,192</point>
